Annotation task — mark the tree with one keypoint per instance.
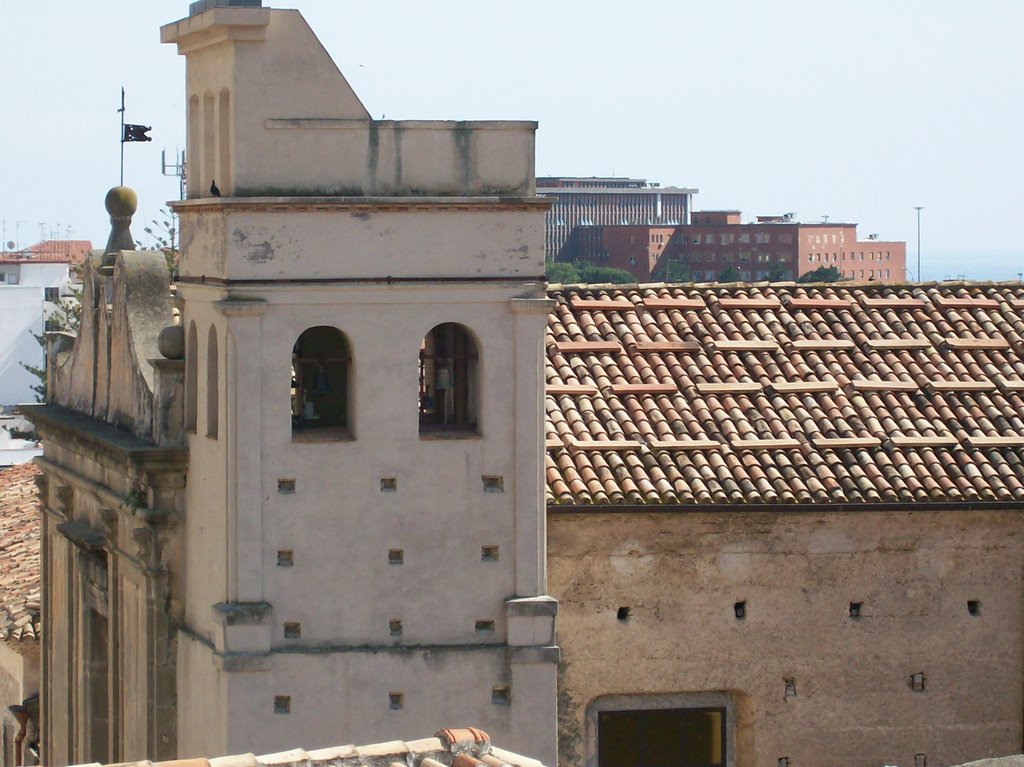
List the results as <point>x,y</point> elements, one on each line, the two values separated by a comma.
<point>65,318</point>
<point>676,271</point>
<point>777,272</point>
<point>822,274</point>
<point>729,274</point>
<point>581,272</point>
<point>163,233</point>
<point>563,272</point>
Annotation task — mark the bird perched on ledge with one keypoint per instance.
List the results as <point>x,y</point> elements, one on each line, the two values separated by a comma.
<point>213,188</point>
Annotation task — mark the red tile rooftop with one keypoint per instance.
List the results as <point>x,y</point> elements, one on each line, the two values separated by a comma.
<point>19,554</point>
<point>785,394</point>
<point>466,747</point>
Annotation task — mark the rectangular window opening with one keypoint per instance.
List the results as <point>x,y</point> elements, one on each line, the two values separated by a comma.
<point>282,704</point>
<point>292,630</point>
<point>286,486</point>
<point>395,627</point>
<point>687,737</point>
<point>396,700</point>
<point>488,553</point>
<point>285,558</point>
<point>494,484</point>
<point>484,627</point>
<point>396,556</point>
<point>388,484</point>
<point>501,696</point>
<point>855,609</point>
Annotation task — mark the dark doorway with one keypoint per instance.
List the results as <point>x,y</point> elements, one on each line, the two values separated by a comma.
<point>670,737</point>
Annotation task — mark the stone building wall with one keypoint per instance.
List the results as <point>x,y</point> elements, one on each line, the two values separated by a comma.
<point>805,680</point>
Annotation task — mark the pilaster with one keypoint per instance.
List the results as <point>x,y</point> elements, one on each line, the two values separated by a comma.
<point>244,412</point>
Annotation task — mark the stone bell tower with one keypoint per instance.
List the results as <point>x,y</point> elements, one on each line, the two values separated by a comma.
<point>363,306</point>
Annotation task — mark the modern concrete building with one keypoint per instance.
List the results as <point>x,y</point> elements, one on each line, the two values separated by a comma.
<point>608,201</point>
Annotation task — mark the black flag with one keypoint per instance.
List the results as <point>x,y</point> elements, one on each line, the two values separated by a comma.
<point>136,133</point>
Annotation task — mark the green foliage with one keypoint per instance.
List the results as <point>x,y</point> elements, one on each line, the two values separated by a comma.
<point>163,235</point>
<point>777,272</point>
<point>676,271</point>
<point>65,318</point>
<point>580,272</point>
<point>729,274</point>
<point>822,274</point>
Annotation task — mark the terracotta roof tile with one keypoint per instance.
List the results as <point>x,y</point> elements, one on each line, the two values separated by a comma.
<point>19,554</point>
<point>785,394</point>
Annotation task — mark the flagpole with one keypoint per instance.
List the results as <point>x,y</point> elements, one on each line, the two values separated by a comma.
<point>121,110</point>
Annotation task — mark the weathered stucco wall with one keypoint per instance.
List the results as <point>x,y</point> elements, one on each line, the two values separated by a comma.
<point>681,575</point>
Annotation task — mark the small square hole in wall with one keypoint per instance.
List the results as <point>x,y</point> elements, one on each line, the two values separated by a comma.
<point>494,484</point>
<point>292,630</point>
<point>974,607</point>
<point>282,704</point>
<point>484,627</point>
<point>395,627</point>
<point>622,614</point>
<point>388,484</point>
<point>917,682</point>
<point>783,761</point>
<point>396,700</point>
<point>501,696</point>
<point>855,608</point>
<point>740,610</point>
<point>488,553</point>
<point>790,687</point>
<point>285,558</point>
<point>396,556</point>
<point>286,486</point>
<point>920,760</point>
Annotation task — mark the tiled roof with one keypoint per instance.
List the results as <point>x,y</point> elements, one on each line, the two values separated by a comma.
<point>465,747</point>
<point>63,251</point>
<point>19,554</point>
<point>785,394</point>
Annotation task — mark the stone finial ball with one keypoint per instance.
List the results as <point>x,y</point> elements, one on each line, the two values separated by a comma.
<point>121,201</point>
<point>171,342</point>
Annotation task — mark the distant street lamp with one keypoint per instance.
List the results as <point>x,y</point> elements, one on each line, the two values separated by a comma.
<point>919,208</point>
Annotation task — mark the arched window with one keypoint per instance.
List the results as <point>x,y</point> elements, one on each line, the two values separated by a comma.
<point>212,385</point>
<point>191,378</point>
<point>320,382</point>
<point>448,380</point>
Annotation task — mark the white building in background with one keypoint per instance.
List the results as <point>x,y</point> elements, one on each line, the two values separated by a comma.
<point>33,282</point>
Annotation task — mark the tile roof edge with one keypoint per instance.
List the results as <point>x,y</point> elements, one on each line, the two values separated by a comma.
<point>801,507</point>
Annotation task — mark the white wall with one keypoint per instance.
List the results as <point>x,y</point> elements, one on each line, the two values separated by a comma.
<point>21,314</point>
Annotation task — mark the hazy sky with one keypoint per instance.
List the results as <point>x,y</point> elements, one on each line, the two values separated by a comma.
<point>854,110</point>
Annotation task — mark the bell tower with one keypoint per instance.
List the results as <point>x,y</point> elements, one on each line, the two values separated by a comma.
<point>363,307</point>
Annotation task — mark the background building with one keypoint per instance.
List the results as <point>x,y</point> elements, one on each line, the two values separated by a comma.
<point>603,201</point>
<point>716,246</point>
<point>33,283</point>
<point>780,248</point>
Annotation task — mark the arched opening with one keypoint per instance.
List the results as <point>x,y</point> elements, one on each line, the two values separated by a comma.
<point>320,384</point>
<point>212,385</point>
<point>448,386</point>
<point>191,378</point>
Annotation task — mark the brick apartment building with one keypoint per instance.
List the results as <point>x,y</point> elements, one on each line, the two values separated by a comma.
<point>595,201</point>
<point>772,248</point>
